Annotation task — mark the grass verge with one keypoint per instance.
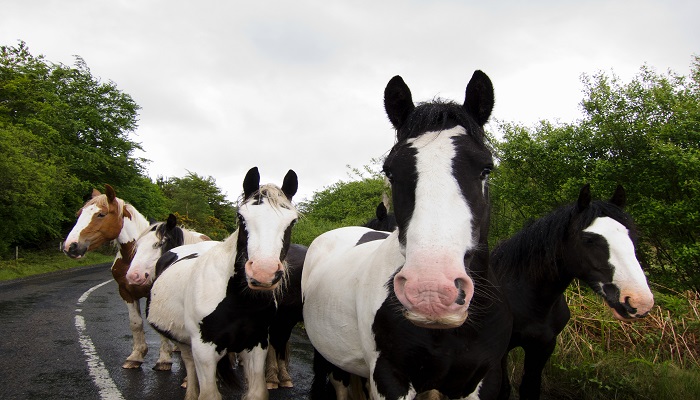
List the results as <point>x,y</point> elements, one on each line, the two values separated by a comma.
<point>598,357</point>
<point>42,261</point>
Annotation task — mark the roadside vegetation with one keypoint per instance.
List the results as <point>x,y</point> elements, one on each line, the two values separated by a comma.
<point>60,128</point>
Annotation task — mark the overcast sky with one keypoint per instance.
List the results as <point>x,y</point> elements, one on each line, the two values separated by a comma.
<point>225,85</point>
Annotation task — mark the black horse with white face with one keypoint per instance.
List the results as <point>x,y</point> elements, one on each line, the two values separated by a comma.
<point>593,241</point>
<point>419,309</point>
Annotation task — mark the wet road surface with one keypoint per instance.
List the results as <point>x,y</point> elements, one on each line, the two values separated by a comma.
<point>45,352</point>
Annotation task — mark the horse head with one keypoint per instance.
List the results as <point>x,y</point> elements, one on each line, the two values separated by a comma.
<point>156,240</point>
<point>604,245</point>
<point>100,220</point>
<point>438,171</point>
<point>265,220</point>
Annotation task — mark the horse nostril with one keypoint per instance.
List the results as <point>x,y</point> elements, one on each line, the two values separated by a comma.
<point>73,246</point>
<point>253,282</point>
<point>628,306</point>
<point>462,295</point>
<point>278,276</point>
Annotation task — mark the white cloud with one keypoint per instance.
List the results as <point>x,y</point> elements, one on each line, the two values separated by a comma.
<point>225,86</point>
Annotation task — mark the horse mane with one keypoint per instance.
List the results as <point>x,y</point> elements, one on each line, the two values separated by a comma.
<point>274,195</point>
<point>439,115</point>
<point>534,250</point>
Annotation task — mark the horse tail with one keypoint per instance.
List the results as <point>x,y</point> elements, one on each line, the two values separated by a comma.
<point>227,374</point>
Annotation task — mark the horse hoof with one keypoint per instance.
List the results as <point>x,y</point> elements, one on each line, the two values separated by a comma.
<point>163,366</point>
<point>272,386</point>
<point>286,384</point>
<point>132,364</point>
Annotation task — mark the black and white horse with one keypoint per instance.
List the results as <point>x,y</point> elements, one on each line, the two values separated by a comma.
<point>593,241</point>
<point>225,299</point>
<point>158,239</point>
<point>419,309</point>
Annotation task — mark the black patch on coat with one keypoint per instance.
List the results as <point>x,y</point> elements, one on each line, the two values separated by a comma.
<point>372,236</point>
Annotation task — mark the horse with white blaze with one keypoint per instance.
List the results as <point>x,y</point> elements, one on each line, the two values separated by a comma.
<point>419,309</point>
<point>104,218</point>
<point>225,299</point>
<point>164,238</point>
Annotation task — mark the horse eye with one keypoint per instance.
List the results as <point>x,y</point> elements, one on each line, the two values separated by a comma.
<point>101,215</point>
<point>485,173</point>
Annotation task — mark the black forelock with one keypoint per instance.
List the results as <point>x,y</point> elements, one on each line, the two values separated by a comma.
<point>438,115</point>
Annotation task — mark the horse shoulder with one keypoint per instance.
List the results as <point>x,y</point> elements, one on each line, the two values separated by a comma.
<point>208,283</point>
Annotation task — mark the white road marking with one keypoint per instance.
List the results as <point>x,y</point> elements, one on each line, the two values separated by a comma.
<point>98,371</point>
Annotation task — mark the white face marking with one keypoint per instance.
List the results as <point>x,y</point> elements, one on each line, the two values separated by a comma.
<point>266,226</point>
<point>437,189</point>
<point>147,254</point>
<point>83,221</point>
<point>628,273</point>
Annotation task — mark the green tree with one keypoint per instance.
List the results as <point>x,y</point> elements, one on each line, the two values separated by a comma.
<point>200,204</point>
<point>645,135</point>
<point>71,132</point>
<point>345,203</point>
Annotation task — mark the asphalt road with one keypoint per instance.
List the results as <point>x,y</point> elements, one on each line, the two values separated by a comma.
<point>63,336</point>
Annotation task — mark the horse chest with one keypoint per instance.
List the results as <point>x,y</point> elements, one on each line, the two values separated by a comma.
<point>453,360</point>
<point>240,321</point>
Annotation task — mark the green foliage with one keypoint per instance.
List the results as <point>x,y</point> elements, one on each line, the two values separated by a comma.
<point>32,187</point>
<point>64,132</point>
<point>199,204</point>
<point>345,203</point>
<point>644,135</point>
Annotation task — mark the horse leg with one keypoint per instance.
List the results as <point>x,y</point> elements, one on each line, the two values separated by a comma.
<point>505,389</point>
<point>283,362</point>
<point>254,370</point>
<point>139,348</point>
<point>253,363</point>
<point>535,360</point>
<point>191,379</point>
<point>205,359</point>
<point>386,382</point>
<point>272,369</point>
<point>165,360</point>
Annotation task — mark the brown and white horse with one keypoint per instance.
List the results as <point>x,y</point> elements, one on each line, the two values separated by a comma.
<point>104,218</point>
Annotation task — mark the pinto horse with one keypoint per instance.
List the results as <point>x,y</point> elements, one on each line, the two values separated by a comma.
<point>158,239</point>
<point>419,309</point>
<point>104,218</point>
<point>163,237</point>
<point>593,241</point>
<point>225,299</point>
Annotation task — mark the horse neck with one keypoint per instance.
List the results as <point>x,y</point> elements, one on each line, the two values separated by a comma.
<point>539,262</point>
<point>134,224</point>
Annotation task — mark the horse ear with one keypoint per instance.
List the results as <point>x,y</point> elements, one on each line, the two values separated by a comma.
<point>398,102</point>
<point>251,183</point>
<point>290,184</point>
<point>111,194</point>
<point>381,211</point>
<point>478,98</point>
<point>95,193</point>
<point>171,222</point>
<point>619,198</point>
<point>584,198</point>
